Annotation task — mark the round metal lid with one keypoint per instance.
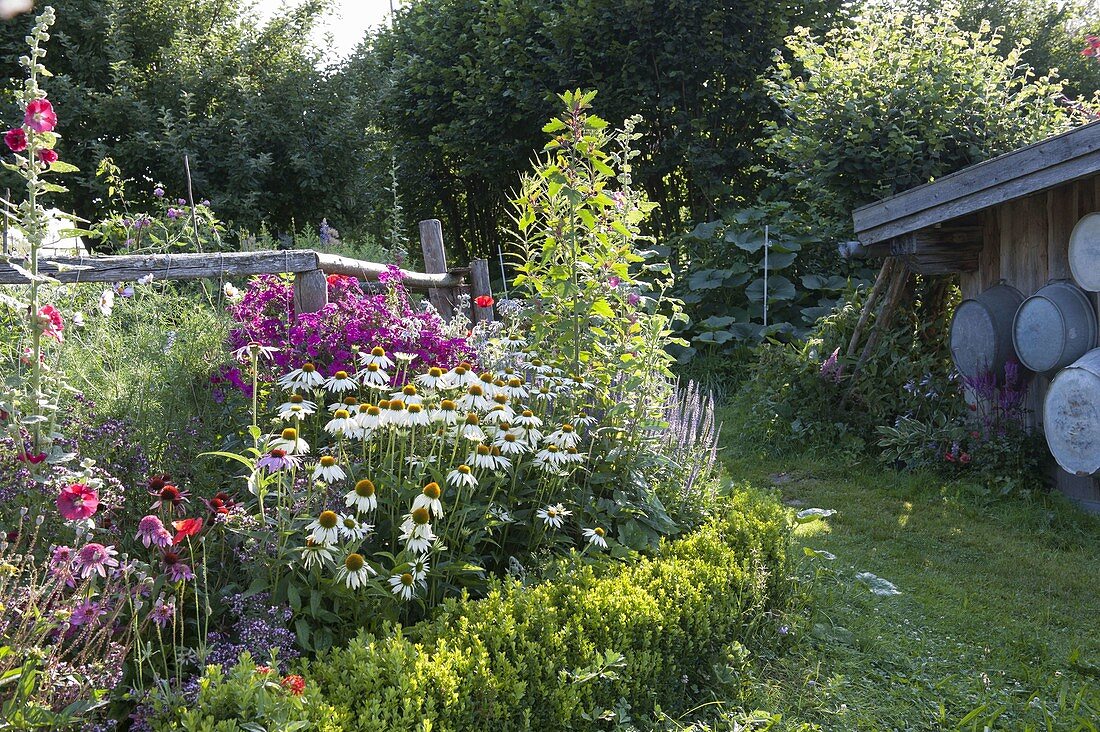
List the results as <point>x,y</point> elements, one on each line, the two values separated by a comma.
<point>1038,334</point>
<point>1084,252</point>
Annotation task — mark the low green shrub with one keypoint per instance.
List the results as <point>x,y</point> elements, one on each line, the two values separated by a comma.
<point>569,652</point>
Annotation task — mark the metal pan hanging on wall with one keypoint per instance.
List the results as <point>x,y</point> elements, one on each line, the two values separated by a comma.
<point>981,332</point>
<point>1071,416</point>
<point>1054,327</point>
<point>1084,252</point>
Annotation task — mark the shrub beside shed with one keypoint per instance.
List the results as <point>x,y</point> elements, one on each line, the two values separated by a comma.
<point>1007,223</point>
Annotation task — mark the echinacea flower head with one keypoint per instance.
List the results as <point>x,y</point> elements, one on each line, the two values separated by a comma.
<point>253,350</point>
<point>376,357</point>
<point>433,379</point>
<point>341,382</point>
<point>276,460</point>
<point>596,537</point>
<point>564,437</point>
<point>417,531</point>
<point>362,497</point>
<point>352,529</point>
<point>356,572</point>
<point>325,528</point>
<point>289,442</point>
<point>343,424</point>
<point>169,496</point>
<point>220,504</point>
<point>429,499</point>
<point>77,501</point>
<point>374,376</point>
<point>163,612</point>
<point>462,476</point>
<point>304,378</point>
<point>175,568</point>
<point>405,585</point>
<point>95,558</point>
<point>317,555</point>
<point>327,470</point>
<point>553,516</point>
<point>151,532</point>
<point>40,116</point>
<point>87,612</point>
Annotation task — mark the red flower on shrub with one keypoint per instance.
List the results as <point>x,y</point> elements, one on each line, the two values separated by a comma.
<point>16,139</point>
<point>295,684</point>
<point>964,458</point>
<point>186,528</point>
<point>263,670</point>
<point>77,501</point>
<point>1092,46</point>
<point>47,156</point>
<point>949,457</point>
<point>484,301</point>
<point>40,116</point>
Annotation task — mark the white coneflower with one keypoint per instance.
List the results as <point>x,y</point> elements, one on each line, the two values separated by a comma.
<point>362,496</point>
<point>554,516</point>
<point>434,379</point>
<point>446,413</point>
<point>376,357</point>
<point>420,568</point>
<point>539,367</point>
<point>550,458</point>
<point>343,424</point>
<point>482,457</point>
<point>514,343</point>
<point>429,499</point>
<point>509,444</point>
<point>317,555</point>
<point>417,531</point>
<point>460,377</point>
<point>460,476</point>
<point>245,353</point>
<point>327,470</point>
<point>545,395</point>
<point>352,529</point>
<point>474,399</point>
<point>289,442</point>
<point>373,377</point>
<point>395,414</point>
<point>578,383</point>
<point>417,416</point>
<point>527,420</point>
<point>341,382</point>
<point>573,455</point>
<point>305,378</point>
<point>584,420</point>
<point>348,403</point>
<point>502,463</point>
<point>369,416</point>
<point>564,437</point>
<point>404,358</point>
<point>325,528</point>
<point>470,429</point>
<point>500,415</point>
<point>356,572</point>
<point>596,537</point>
<point>405,585</point>
<point>296,406</point>
<point>488,383</point>
<point>514,388</point>
<point>408,394</point>
<point>500,513</point>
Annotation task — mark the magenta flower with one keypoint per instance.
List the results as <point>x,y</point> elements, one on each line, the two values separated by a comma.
<point>47,156</point>
<point>95,559</point>
<point>176,570</point>
<point>49,320</point>
<point>152,532</point>
<point>86,613</point>
<point>277,460</point>
<point>61,564</point>
<point>163,612</point>
<point>16,139</point>
<point>77,501</point>
<point>40,116</point>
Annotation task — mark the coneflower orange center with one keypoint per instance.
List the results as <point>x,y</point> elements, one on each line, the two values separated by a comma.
<point>354,562</point>
<point>328,519</point>
<point>432,490</point>
<point>290,434</point>
<point>420,516</point>
<point>364,488</point>
<point>328,461</point>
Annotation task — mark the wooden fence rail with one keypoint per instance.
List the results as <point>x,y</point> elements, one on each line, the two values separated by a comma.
<point>309,268</point>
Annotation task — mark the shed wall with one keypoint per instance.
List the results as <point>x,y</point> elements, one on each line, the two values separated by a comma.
<point>1026,244</point>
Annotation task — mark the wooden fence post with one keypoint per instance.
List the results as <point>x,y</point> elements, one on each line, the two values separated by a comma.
<point>479,285</point>
<point>310,291</point>
<point>435,262</point>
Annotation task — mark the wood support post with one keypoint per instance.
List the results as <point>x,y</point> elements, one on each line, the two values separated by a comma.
<point>435,262</point>
<point>479,286</point>
<point>310,291</point>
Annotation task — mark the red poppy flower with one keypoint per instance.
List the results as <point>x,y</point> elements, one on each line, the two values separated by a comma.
<point>47,156</point>
<point>77,501</point>
<point>40,116</point>
<point>186,528</point>
<point>484,301</point>
<point>16,139</point>
<point>295,684</point>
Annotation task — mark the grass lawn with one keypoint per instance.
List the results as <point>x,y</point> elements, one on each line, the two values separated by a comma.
<point>997,625</point>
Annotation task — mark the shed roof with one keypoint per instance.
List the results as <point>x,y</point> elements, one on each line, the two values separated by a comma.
<point>1037,167</point>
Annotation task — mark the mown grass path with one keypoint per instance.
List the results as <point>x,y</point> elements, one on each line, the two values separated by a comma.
<point>997,625</point>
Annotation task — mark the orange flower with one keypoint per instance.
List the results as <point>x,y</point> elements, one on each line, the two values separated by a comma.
<point>186,528</point>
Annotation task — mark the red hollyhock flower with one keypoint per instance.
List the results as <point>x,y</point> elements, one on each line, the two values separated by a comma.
<point>16,139</point>
<point>47,156</point>
<point>1092,46</point>
<point>186,528</point>
<point>295,684</point>
<point>77,501</point>
<point>484,301</point>
<point>32,459</point>
<point>51,323</point>
<point>40,116</point>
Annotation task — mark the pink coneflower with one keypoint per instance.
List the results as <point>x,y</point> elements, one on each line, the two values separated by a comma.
<point>169,495</point>
<point>220,504</point>
<point>163,612</point>
<point>77,501</point>
<point>277,460</point>
<point>95,559</point>
<point>40,116</point>
<point>86,613</point>
<point>61,564</point>
<point>177,571</point>
<point>152,532</point>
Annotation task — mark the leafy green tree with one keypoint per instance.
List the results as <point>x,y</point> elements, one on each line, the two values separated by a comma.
<point>463,87</point>
<point>893,101</point>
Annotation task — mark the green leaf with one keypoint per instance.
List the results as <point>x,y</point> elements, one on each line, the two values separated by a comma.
<point>602,308</point>
<point>62,167</point>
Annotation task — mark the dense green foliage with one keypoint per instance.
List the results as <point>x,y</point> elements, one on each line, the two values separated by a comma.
<point>894,101</point>
<point>550,657</point>
<point>470,84</point>
<point>268,134</point>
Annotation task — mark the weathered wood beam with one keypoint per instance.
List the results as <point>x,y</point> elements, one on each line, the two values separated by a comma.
<point>123,268</point>
<point>479,285</point>
<point>334,264</point>
<point>935,250</point>
<point>435,262</point>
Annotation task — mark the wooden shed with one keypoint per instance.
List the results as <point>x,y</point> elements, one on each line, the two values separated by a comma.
<point>1006,220</point>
